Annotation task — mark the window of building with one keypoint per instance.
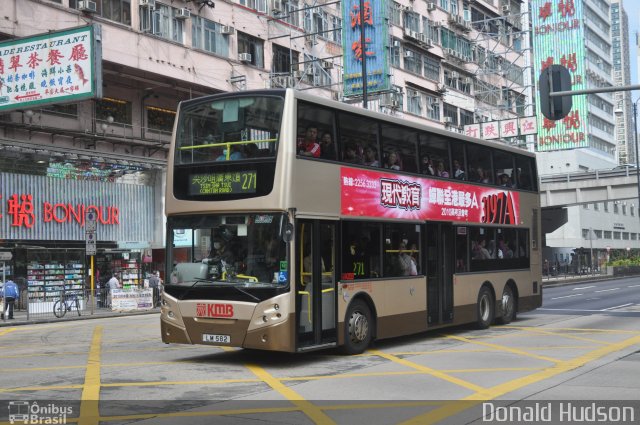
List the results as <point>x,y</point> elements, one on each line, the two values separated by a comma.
<point>585,233</point>
<point>206,36</point>
<point>290,12</point>
<point>606,207</point>
<point>607,234</point>
<point>259,5</point>
<point>466,117</point>
<point>412,61</point>
<point>433,107</point>
<point>396,50</point>
<point>451,112</point>
<point>616,208</point>
<point>616,235</point>
<point>160,119</point>
<point>396,13</point>
<point>162,22</point>
<point>118,109</point>
<point>598,234</point>
<point>336,34</point>
<point>432,68</point>
<point>252,45</point>
<point>114,10</point>
<point>414,103</point>
<point>412,21</point>
<point>625,236</point>
<point>596,206</point>
<point>282,59</point>
<point>66,110</point>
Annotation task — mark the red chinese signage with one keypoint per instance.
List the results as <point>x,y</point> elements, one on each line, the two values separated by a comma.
<point>23,213</point>
<point>367,193</point>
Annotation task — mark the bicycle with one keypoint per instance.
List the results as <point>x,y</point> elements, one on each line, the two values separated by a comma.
<point>66,303</point>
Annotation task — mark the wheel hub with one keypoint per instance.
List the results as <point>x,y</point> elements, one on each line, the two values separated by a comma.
<point>358,327</point>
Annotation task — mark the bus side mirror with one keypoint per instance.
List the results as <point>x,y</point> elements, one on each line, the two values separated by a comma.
<point>287,232</point>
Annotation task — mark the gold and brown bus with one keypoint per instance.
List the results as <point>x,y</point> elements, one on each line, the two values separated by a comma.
<point>296,223</point>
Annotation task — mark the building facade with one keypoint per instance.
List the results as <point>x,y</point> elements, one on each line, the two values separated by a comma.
<point>588,37</point>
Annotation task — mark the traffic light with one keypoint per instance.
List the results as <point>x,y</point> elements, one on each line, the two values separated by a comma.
<point>555,78</point>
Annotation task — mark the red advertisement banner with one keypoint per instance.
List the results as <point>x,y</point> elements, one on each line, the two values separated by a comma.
<point>366,193</point>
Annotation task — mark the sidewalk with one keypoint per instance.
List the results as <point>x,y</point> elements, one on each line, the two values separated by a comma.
<point>20,316</point>
<point>569,279</point>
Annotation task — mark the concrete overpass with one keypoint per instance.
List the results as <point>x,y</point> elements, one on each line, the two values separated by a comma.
<point>559,191</point>
<point>562,190</point>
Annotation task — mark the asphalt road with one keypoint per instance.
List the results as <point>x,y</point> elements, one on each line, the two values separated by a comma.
<point>117,371</point>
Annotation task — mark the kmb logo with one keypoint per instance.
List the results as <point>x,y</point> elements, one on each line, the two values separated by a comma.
<point>214,310</point>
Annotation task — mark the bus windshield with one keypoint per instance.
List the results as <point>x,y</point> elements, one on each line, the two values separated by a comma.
<point>246,251</point>
<point>231,129</point>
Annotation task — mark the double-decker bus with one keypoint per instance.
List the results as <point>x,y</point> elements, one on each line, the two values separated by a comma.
<point>296,223</point>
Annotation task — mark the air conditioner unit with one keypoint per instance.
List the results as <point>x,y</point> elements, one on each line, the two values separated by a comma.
<point>396,43</point>
<point>447,120</point>
<point>276,7</point>
<point>427,41</point>
<point>408,54</point>
<point>183,13</point>
<point>227,30</point>
<point>454,74</point>
<point>87,6</point>
<point>410,33</point>
<point>431,7</point>
<point>244,57</point>
<point>441,88</point>
<point>148,3</point>
<point>326,64</point>
<point>506,8</point>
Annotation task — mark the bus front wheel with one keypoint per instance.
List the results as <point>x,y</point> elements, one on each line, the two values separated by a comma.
<point>485,308</point>
<point>358,327</point>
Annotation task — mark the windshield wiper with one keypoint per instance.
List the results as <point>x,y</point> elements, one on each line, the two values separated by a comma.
<point>246,293</point>
<point>192,286</point>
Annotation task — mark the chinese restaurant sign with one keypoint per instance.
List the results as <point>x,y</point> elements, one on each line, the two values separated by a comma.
<point>50,68</point>
<point>380,194</point>
<point>558,38</point>
<point>374,50</point>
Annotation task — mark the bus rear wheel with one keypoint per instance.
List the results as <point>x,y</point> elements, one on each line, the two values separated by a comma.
<point>508,306</point>
<point>485,308</point>
<point>358,328</point>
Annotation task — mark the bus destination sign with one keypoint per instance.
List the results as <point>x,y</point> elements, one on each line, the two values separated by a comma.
<point>233,182</point>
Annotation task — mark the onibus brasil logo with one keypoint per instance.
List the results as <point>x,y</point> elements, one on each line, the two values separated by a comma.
<point>32,413</point>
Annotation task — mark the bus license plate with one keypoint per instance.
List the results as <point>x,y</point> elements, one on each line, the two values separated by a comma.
<point>226,339</point>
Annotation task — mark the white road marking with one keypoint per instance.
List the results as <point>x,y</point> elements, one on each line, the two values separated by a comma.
<point>584,287</point>
<point>567,296</point>
<point>633,286</point>
<point>607,290</point>
<point>618,306</point>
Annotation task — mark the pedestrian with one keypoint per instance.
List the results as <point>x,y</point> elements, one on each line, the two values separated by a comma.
<point>154,283</point>
<point>11,295</point>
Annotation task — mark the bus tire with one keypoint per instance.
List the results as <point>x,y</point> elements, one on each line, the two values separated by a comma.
<point>358,327</point>
<point>508,306</point>
<point>485,308</point>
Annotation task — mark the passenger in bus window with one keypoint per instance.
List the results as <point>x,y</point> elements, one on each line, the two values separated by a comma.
<point>309,146</point>
<point>407,264</point>
<point>252,150</point>
<point>504,180</point>
<point>371,156</point>
<point>481,175</point>
<point>458,172</point>
<point>351,154</point>
<point>327,148</point>
<point>479,250</point>
<point>440,170</point>
<point>427,166</point>
<point>393,162</point>
<point>236,153</point>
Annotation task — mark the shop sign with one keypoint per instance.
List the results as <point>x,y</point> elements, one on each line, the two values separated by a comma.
<point>22,212</point>
<point>51,68</point>
<point>367,193</point>
<point>6,256</point>
<point>131,299</point>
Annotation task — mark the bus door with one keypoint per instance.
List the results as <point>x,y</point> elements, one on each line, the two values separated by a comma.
<point>315,284</point>
<point>439,260</point>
